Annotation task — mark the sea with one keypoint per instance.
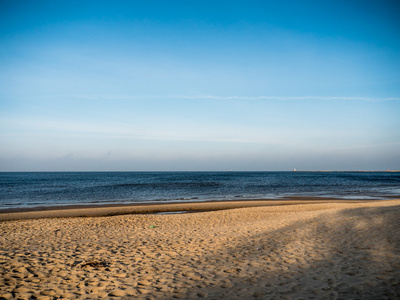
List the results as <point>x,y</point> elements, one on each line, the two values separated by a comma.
<point>47,189</point>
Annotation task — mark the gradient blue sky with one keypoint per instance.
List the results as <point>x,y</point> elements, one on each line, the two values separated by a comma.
<point>199,85</point>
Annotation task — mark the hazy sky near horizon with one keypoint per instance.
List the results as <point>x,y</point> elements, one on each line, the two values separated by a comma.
<point>199,85</point>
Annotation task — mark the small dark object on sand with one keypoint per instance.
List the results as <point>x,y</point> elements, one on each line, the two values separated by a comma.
<point>95,264</point>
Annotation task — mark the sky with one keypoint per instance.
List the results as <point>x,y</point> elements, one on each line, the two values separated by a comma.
<point>199,85</point>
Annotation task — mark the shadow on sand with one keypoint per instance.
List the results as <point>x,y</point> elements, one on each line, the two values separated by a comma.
<point>352,254</point>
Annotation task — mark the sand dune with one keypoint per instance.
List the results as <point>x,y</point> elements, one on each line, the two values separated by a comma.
<point>301,251</point>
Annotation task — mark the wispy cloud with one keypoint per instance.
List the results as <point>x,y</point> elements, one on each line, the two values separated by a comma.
<point>129,131</point>
<point>283,98</point>
<point>371,145</point>
<point>227,98</point>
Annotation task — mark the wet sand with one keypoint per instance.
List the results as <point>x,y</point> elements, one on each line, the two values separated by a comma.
<point>306,250</point>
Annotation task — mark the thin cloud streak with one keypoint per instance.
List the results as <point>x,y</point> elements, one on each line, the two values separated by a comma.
<point>295,98</point>
<point>371,145</point>
<point>96,130</point>
<point>211,97</point>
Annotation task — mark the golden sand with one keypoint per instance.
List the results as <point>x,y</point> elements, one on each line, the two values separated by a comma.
<point>300,251</point>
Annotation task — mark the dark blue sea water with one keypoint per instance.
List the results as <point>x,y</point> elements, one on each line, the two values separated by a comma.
<point>25,190</point>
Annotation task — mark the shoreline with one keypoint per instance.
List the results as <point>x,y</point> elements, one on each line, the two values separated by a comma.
<point>104,210</point>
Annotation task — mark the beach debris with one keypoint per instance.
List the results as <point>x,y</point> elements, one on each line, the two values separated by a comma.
<point>92,263</point>
<point>233,270</point>
<point>152,226</point>
<point>95,264</point>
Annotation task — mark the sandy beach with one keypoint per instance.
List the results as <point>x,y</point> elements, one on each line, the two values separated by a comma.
<point>306,250</point>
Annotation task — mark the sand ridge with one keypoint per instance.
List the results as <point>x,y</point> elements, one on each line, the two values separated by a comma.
<point>304,251</point>
<point>148,208</point>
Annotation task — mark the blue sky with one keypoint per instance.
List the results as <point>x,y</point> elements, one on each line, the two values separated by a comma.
<point>199,85</point>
